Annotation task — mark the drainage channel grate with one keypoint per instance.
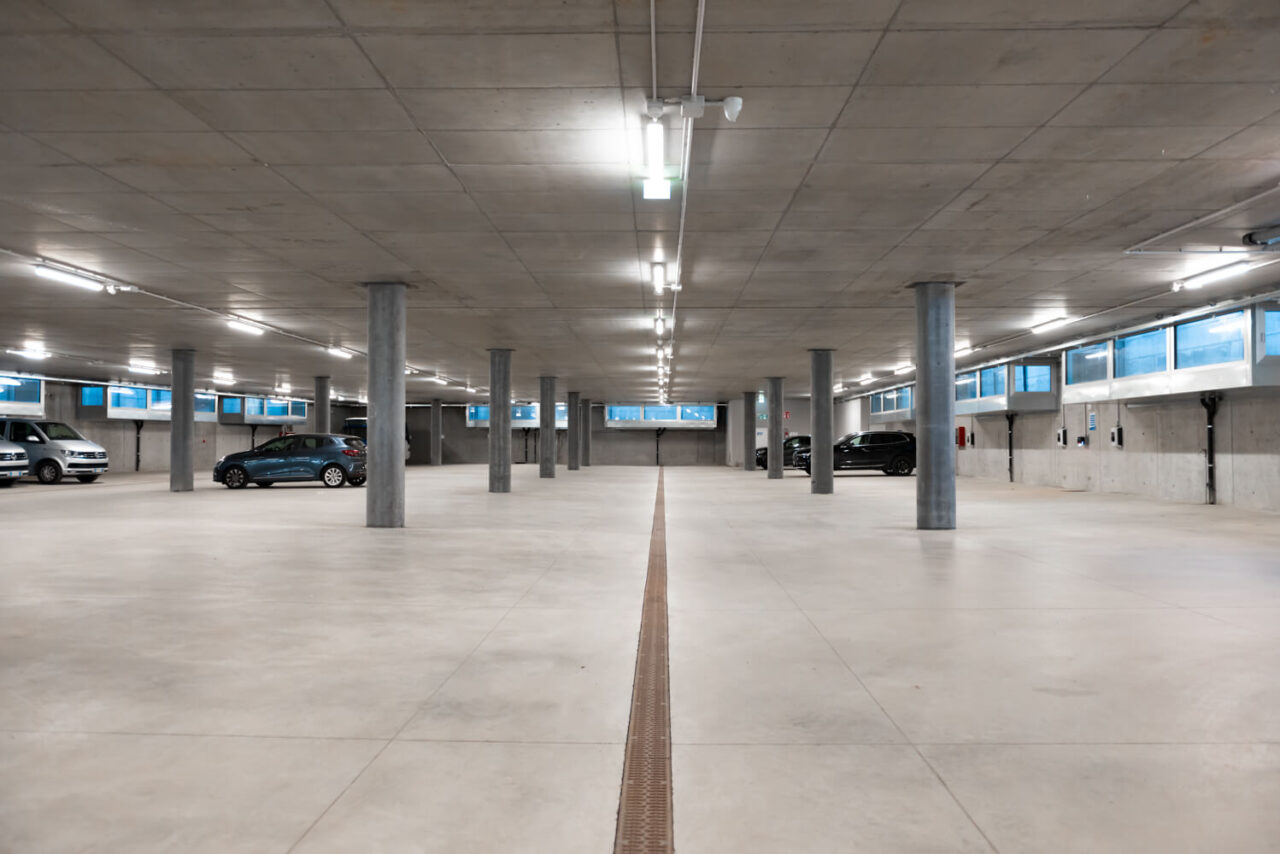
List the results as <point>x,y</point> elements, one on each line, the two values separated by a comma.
<point>644,809</point>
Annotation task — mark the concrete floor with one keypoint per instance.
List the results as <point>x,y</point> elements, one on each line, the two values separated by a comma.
<point>255,671</point>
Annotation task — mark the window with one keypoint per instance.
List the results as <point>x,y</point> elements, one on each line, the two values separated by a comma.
<point>1210,341</point>
<point>127,397</point>
<point>525,413</point>
<point>276,445</point>
<point>1032,378</point>
<point>298,409</point>
<point>19,390</point>
<point>904,398</point>
<point>92,395</point>
<point>21,431</point>
<point>562,412</point>
<point>992,381</point>
<point>161,399</point>
<point>697,413</point>
<point>1143,353</point>
<point>967,386</point>
<point>477,413</point>
<point>277,408</point>
<point>57,431</point>
<point>877,402</point>
<point>626,413</point>
<point>310,443</point>
<point>661,413</point>
<point>1272,331</point>
<point>231,405</point>
<point>206,403</point>
<point>1087,364</point>
<point>253,406</point>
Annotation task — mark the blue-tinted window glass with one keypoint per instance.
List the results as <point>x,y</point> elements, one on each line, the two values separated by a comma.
<point>626,413</point>
<point>993,381</point>
<point>904,398</point>
<point>92,395</point>
<point>1272,327</point>
<point>890,400</point>
<point>161,399</point>
<point>1141,354</point>
<point>1087,364</point>
<point>206,403</point>
<point>562,412</point>
<point>877,402</point>
<point>1211,341</point>
<point>253,406</point>
<point>661,413</point>
<point>231,405</point>
<point>967,386</point>
<point>1033,378</point>
<point>526,413</point>
<point>277,408</point>
<point>20,390</point>
<point>298,409</point>
<point>128,397</point>
<point>477,413</point>
<point>697,413</point>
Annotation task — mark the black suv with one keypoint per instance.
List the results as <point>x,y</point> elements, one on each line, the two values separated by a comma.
<point>891,451</point>
<point>790,447</point>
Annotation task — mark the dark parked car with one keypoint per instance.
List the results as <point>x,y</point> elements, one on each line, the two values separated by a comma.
<point>891,451</point>
<point>329,458</point>
<point>790,446</point>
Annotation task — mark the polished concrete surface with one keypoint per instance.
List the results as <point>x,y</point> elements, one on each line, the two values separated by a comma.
<point>256,671</point>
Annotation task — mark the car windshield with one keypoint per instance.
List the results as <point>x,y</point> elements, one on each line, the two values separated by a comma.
<point>57,431</point>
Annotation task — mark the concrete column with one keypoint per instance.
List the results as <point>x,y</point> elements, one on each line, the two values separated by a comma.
<point>935,405</point>
<point>575,429</point>
<point>384,496</point>
<point>586,432</point>
<point>182,422</point>
<point>547,427</point>
<point>323,408</point>
<point>437,432</point>
<point>748,431</point>
<point>822,406</point>
<point>775,428</point>
<point>499,420</point>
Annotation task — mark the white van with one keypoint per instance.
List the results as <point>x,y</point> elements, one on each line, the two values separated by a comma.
<point>55,450</point>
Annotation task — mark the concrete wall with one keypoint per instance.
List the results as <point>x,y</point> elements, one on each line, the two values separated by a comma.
<point>120,437</point>
<point>796,413</point>
<point>1163,455</point>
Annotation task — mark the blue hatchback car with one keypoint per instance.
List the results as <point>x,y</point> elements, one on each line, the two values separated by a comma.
<point>329,458</point>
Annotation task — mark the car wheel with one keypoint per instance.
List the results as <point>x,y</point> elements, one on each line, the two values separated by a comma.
<point>902,466</point>
<point>265,483</point>
<point>358,481</point>
<point>808,470</point>
<point>333,476</point>
<point>235,478</point>
<point>86,478</point>
<point>48,472</point>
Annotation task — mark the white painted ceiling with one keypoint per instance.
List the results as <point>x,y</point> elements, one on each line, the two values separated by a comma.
<point>265,158</point>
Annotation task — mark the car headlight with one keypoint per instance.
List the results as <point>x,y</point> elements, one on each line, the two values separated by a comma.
<point>67,453</point>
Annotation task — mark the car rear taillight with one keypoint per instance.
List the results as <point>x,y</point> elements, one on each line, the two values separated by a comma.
<point>352,452</point>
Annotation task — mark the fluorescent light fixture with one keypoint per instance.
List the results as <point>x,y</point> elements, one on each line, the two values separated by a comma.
<point>10,381</point>
<point>410,371</point>
<point>1209,277</point>
<point>439,380</point>
<point>340,353</point>
<point>29,353</point>
<point>837,388</point>
<point>1050,325</point>
<point>470,390</point>
<point>866,379</point>
<point>658,273</point>
<point>284,388</point>
<point>660,325</point>
<point>67,277</point>
<point>655,139</point>
<point>657,189</point>
<point>247,328</point>
<point>903,369</point>
<point>670,350</point>
<point>143,366</point>
<point>223,379</point>
<point>963,351</point>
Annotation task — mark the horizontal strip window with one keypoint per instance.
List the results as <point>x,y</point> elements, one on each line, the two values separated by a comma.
<point>992,381</point>
<point>967,386</point>
<point>1087,364</point>
<point>1144,353</point>
<point>1211,341</point>
<point>1032,378</point>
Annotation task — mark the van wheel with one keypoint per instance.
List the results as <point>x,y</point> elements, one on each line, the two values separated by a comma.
<point>235,478</point>
<point>86,478</point>
<point>333,476</point>
<point>48,472</point>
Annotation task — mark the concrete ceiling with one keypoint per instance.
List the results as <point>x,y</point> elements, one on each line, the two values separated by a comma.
<point>266,158</point>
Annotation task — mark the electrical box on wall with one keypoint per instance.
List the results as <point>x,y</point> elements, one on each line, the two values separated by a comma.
<point>1117,437</point>
<point>973,438</point>
<point>1062,438</point>
<point>1082,441</point>
<point>960,437</point>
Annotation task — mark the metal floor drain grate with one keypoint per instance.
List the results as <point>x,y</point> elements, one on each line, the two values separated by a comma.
<point>644,808</point>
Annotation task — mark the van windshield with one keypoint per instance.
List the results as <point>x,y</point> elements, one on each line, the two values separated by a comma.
<point>57,431</point>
